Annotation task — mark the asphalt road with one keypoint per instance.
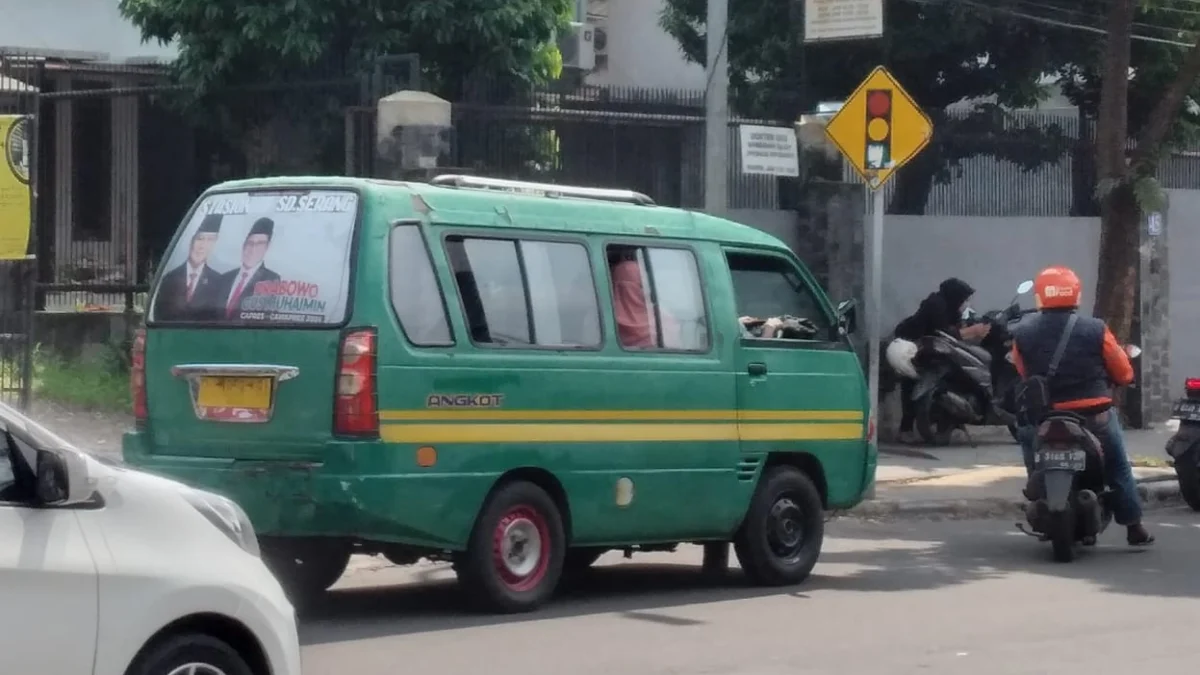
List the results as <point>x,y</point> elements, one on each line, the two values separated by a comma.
<point>891,598</point>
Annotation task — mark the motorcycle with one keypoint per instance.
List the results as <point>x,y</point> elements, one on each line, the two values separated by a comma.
<point>1069,500</point>
<point>961,384</point>
<point>1184,446</point>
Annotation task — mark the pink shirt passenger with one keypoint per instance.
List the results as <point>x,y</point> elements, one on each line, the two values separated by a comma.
<point>635,319</point>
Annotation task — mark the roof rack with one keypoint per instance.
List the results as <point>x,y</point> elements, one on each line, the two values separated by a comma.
<point>541,189</point>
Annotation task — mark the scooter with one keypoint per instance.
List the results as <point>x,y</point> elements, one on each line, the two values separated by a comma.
<point>1184,446</point>
<point>1069,500</point>
<point>960,384</point>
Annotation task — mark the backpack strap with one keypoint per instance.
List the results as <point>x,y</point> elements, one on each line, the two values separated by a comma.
<point>1062,345</point>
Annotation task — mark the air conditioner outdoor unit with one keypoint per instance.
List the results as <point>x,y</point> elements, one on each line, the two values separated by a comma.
<point>578,46</point>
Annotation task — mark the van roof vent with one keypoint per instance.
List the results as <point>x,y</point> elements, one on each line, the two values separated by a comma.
<point>541,189</point>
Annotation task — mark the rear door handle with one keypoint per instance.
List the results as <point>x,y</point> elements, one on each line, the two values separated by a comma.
<point>757,369</point>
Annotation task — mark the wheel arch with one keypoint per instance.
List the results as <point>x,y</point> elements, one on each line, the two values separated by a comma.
<point>545,480</point>
<point>224,628</point>
<point>807,464</point>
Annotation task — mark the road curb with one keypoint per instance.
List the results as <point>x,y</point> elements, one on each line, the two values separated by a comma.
<point>1153,493</point>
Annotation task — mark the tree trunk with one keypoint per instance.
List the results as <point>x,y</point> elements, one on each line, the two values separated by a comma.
<point>914,183</point>
<point>1120,219</point>
<point>1119,215</point>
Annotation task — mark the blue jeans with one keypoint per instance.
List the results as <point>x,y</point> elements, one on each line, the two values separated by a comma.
<point>1118,473</point>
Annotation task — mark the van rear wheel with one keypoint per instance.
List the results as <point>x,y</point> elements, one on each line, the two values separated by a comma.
<point>514,558</point>
<point>305,569</point>
<point>780,540</point>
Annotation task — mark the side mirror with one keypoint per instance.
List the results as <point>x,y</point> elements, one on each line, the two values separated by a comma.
<point>847,314</point>
<point>1024,287</point>
<point>61,478</point>
<point>1133,351</point>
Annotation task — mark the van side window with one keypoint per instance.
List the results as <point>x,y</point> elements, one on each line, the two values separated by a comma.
<point>416,296</point>
<point>767,286</point>
<point>519,292</point>
<point>657,298</point>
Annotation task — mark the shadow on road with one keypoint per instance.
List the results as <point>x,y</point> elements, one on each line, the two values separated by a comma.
<point>910,556</point>
<point>638,591</point>
<point>860,557</point>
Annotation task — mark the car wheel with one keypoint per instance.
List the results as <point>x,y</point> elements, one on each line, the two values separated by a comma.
<point>305,570</point>
<point>780,539</point>
<point>514,558</point>
<point>190,654</point>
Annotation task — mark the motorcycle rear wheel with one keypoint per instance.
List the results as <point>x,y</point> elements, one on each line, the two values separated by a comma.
<point>1061,526</point>
<point>1187,472</point>
<point>931,422</point>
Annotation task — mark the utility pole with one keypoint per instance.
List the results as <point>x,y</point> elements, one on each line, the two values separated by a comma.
<point>716,110</point>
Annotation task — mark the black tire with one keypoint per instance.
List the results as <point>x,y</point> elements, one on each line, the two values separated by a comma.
<point>486,573</point>
<point>166,654</point>
<point>580,559</point>
<point>774,553</point>
<point>1187,471</point>
<point>929,425</point>
<point>305,570</point>
<point>1062,534</point>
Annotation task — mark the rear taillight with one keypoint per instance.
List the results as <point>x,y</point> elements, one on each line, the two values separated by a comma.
<point>355,411</point>
<point>137,376</point>
<point>1192,387</point>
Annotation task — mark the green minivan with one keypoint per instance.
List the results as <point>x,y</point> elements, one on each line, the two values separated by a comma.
<point>515,377</point>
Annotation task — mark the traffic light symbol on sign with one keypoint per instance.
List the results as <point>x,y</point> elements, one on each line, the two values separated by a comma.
<point>879,129</point>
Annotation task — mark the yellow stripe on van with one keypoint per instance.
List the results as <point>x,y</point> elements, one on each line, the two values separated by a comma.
<point>614,433</point>
<point>475,414</point>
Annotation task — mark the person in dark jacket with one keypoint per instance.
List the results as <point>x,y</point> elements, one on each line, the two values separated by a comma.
<point>942,312</point>
<point>1092,362</point>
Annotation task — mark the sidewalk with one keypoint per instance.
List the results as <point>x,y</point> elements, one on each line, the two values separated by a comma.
<point>961,481</point>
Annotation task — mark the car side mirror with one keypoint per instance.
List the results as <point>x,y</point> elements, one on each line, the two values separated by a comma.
<point>61,478</point>
<point>847,315</point>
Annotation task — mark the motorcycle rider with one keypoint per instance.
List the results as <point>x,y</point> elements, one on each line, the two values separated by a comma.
<point>940,311</point>
<point>1092,362</point>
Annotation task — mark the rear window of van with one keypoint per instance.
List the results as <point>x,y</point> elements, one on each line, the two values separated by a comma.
<point>260,258</point>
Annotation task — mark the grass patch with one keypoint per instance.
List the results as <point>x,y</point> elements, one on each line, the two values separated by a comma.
<point>99,382</point>
<point>1150,462</point>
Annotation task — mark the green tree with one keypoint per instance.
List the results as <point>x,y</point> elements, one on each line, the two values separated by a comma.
<point>284,44</point>
<point>260,40</point>
<point>1143,90</point>
<point>943,53</point>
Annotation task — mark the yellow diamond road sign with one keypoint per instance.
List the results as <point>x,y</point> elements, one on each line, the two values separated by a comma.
<point>879,128</point>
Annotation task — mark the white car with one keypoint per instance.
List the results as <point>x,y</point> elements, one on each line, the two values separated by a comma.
<point>108,571</point>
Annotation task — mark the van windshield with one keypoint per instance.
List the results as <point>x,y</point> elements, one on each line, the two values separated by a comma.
<point>260,258</point>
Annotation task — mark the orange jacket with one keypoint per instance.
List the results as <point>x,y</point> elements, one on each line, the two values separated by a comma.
<point>1116,361</point>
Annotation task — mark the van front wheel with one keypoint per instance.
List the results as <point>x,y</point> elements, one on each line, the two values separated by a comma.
<point>514,558</point>
<point>780,540</point>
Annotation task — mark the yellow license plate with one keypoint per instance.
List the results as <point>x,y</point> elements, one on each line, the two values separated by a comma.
<point>235,392</point>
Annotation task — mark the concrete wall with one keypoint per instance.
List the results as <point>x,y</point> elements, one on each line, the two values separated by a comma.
<point>1184,304</point>
<point>992,254</point>
<point>640,52</point>
<point>75,25</point>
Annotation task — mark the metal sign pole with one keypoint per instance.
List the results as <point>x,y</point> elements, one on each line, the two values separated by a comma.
<point>873,251</point>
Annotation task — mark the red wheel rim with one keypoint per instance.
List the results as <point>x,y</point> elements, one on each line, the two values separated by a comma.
<point>521,548</point>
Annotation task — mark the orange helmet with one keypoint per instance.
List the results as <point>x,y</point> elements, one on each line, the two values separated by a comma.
<point>1056,288</point>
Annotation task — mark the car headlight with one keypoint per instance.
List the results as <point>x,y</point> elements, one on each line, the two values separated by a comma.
<point>227,517</point>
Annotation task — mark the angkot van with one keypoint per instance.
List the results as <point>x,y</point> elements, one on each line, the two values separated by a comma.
<point>515,377</point>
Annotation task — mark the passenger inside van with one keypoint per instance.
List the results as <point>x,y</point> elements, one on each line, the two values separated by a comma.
<point>631,301</point>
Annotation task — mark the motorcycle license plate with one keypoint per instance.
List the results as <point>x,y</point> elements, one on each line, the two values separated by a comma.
<point>1071,460</point>
<point>1187,410</point>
